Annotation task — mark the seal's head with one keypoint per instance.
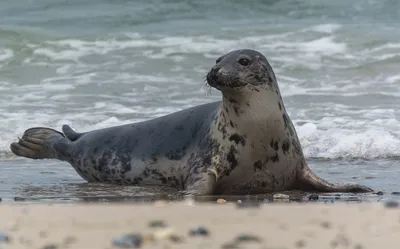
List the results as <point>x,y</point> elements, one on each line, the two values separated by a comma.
<point>241,69</point>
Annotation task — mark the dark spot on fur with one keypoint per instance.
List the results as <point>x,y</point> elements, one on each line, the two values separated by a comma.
<point>257,165</point>
<point>231,158</point>
<point>236,109</point>
<point>233,101</point>
<point>231,123</point>
<point>176,154</point>
<point>280,106</point>
<point>276,146</point>
<point>270,79</point>
<point>275,158</point>
<point>237,139</point>
<point>222,128</point>
<point>285,146</point>
<point>285,120</point>
<point>95,178</point>
<point>247,103</point>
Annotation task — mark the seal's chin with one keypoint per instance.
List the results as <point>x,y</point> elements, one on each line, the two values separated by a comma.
<point>224,83</point>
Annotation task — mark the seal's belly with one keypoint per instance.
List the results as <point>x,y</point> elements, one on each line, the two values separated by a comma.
<point>130,171</point>
<point>259,177</point>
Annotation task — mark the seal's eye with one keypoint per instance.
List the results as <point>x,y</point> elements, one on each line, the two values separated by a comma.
<point>244,62</point>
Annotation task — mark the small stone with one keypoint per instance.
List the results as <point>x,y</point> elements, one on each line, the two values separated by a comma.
<point>248,204</point>
<point>128,241</point>
<point>69,240</point>
<point>157,223</point>
<point>247,238</point>
<point>300,244</point>
<point>42,234</point>
<point>395,193</point>
<point>160,203</point>
<point>239,201</point>
<point>230,245</point>
<point>221,201</point>
<point>379,193</point>
<point>326,224</point>
<point>50,246</point>
<point>392,204</point>
<point>4,238</point>
<point>199,231</point>
<point>313,197</point>
<point>164,233</point>
<point>175,238</point>
<point>19,198</point>
<point>280,196</point>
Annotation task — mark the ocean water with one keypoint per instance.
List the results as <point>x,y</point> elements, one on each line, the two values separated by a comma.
<point>93,64</point>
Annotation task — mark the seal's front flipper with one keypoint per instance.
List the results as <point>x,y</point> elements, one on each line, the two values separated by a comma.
<point>200,185</point>
<point>71,134</point>
<point>308,181</point>
<point>41,143</point>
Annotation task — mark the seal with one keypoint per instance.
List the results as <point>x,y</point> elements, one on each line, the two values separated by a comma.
<point>244,144</point>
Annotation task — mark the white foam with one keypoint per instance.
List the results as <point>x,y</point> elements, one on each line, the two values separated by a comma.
<point>349,143</point>
<point>326,28</point>
<point>6,54</point>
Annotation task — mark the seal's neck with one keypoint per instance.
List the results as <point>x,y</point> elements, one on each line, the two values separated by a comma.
<point>253,112</point>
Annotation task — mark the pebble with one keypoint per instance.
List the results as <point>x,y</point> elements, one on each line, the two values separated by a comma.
<point>313,197</point>
<point>128,241</point>
<point>157,223</point>
<point>326,224</point>
<point>50,246</point>
<point>221,201</point>
<point>230,245</point>
<point>247,238</point>
<point>379,193</point>
<point>199,231</point>
<point>69,240</point>
<point>280,196</point>
<point>4,238</point>
<point>248,204</point>
<point>164,233</point>
<point>392,204</point>
<point>300,244</point>
<point>160,203</point>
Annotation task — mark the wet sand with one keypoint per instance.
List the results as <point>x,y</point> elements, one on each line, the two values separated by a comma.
<point>272,226</point>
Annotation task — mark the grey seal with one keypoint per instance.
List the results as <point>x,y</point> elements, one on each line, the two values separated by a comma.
<point>244,144</point>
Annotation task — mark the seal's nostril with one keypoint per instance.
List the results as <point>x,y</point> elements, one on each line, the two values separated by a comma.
<point>214,72</point>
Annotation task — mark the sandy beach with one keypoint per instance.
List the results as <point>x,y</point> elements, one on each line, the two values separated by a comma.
<point>168,225</point>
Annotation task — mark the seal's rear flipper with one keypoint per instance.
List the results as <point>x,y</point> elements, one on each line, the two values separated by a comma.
<point>41,143</point>
<point>308,181</point>
<point>71,134</point>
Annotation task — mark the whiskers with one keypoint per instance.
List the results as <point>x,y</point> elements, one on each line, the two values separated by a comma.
<point>207,86</point>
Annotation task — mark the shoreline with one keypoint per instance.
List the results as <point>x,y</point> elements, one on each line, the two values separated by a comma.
<point>278,225</point>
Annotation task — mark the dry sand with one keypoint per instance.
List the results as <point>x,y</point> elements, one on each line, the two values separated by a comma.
<point>309,225</point>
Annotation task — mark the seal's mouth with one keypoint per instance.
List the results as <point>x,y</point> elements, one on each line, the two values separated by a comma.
<point>219,79</point>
